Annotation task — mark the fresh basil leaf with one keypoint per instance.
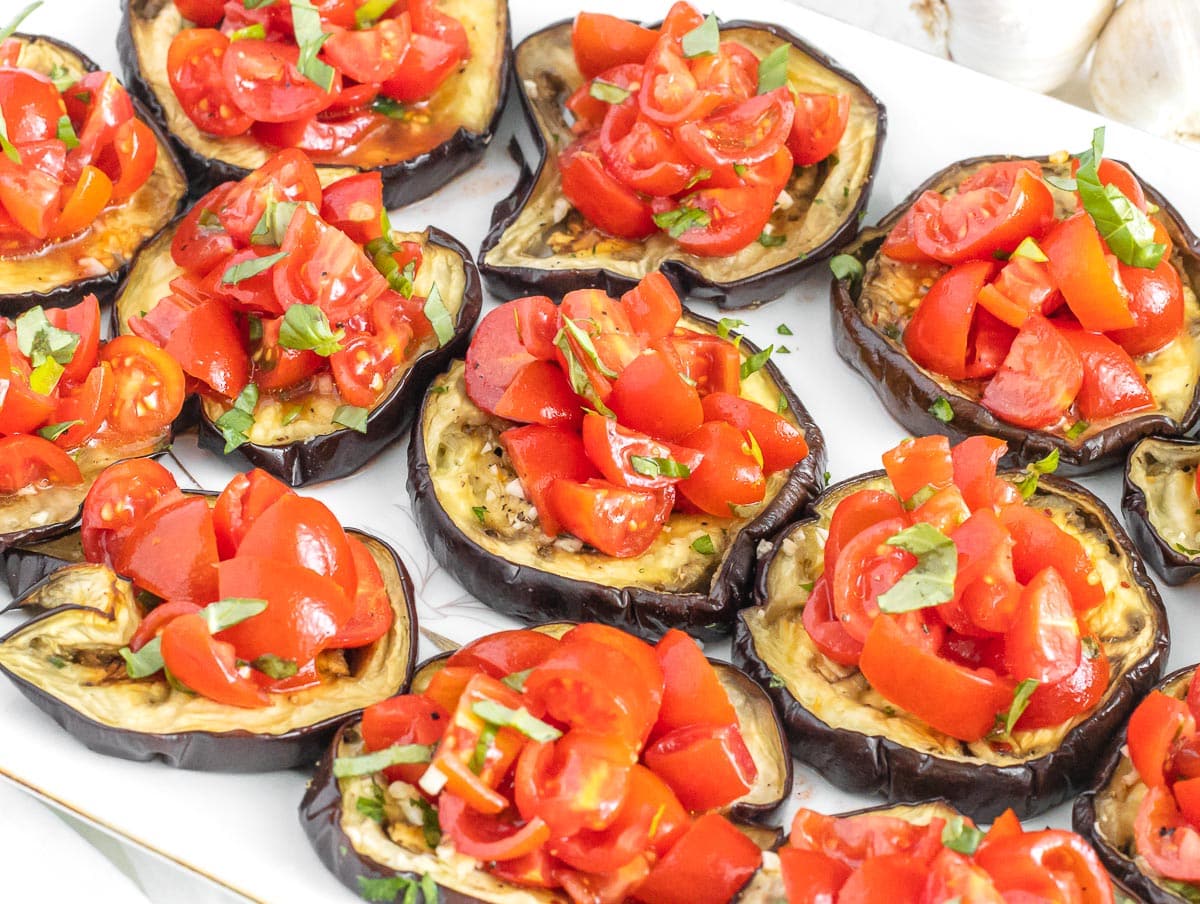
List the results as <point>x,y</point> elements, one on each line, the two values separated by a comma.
<point>784,330</point>
<point>659,467</point>
<point>756,362</point>
<point>231,611</point>
<point>941,410</point>
<point>235,273</point>
<point>387,888</point>
<point>291,413</point>
<point>429,888</point>
<point>432,829</point>
<point>145,662</point>
<point>782,350</point>
<point>931,581</point>
<point>371,11</point>
<point>306,328</point>
<point>257,4</point>
<point>581,384</point>
<point>1030,249</point>
<point>961,836</point>
<point>699,176</point>
<point>726,324</point>
<point>751,448</point>
<point>1126,230</point>
<point>516,680</point>
<point>607,91</point>
<point>380,251</point>
<point>39,340</point>
<point>1077,429</point>
<point>678,220</point>
<point>846,266</point>
<point>351,416</point>
<point>236,423</point>
<point>306,24</point>
<point>773,69</point>
<point>782,405</point>
<point>739,169</point>
<point>54,431</point>
<point>1065,183</point>
<point>66,132</point>
<point>771,240</point>
<point>703,40</point>
<point>372,807</point>
<point>273,224</point>
<point>15,23</point>
<point>482,746</point>
<point>62,77</point>
<point>439,316</point>
<point>1029,483</point>
<point>521,720</point>
<point>704,545</point>
<point>275,667</point>
<point>370,763</point>
<point>255,31</point>
<point>386,106</point>
<point>584,341</point>
<point>1186,550</point>
<point>480,513</point>
<point>1019,703</point>
<point>44,377</point>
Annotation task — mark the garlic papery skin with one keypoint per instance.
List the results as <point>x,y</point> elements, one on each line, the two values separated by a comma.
<point>1038,44</point>
<point>1146,69</point>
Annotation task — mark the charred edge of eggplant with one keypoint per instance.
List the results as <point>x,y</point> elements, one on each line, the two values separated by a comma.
<point>749,291</point>
<point>403,182</point>
<point>206,751</point>
<point>1083,820</point>
<point>1173,566</point>
<point>321,807</point>
<point>908,392</point>
<point>533,595</point>
<point>344,451</point>
<point>876,764</point>
<point>104,286</point>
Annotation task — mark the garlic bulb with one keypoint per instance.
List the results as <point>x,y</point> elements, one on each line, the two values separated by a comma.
<point>1146,70</point>
<point>1037,44</point>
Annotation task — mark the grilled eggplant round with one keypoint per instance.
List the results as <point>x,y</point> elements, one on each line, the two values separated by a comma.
<point>1105,813</point>
<point>354,847</point>
<point>416,155</point>
<point>870,316</point>
<point>489,539</point>
<point>1160,505</point>
<point>852,736</point>
<point>539,243</point>
<point>65,661</point>
<point>94,261</point>
<point>311,447</point>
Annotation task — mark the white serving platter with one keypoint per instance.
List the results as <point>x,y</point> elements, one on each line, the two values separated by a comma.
<point>241,831</point>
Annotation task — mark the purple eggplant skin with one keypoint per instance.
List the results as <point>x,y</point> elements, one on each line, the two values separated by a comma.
<point>877,764</point>
<point>908,391</point>
<point>511,281</point>
<point>229,751</point>
<point>403,182</point>
<point>534,595</point>
<point>1173,566</point>
<point>1083,812</point>
<point>104,286</point>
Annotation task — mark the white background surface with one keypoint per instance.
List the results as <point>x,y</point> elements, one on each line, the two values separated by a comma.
<point>242,829</point>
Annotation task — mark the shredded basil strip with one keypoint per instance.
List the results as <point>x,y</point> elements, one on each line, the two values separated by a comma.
<point>380,252</point>
<point>386,106</point>
<point>846,266</point>
<point>439,316</point>
<point>254,30</point>
<point>659,467</point>
<point>235,273</point>
<point>54,431</point>
<point>751,448</point>
<point>521,720</point>
<point>272,225</point>
<point>703,40</point>
<point>1020,701</point>
<point>7,30</point>
<point>581,384</point>
<point>66,132</point>
<point>351,416</point>
<point>771,240</point>
<point>372,806</point>
<point>784,330</point>
<point>145,662</point>
<point>1126,230</point>
<point>367,14</point>
<point>275,666</point>
<point>306,23</point>
<point>726,324</point>
<point>704,545</point>
<point>584,341</point>
<point>236,423</point>
<point>1078,429</point>
<point>607,91</point>
<point>306,328</point>
<point>941,410</point>
<point>480,513</point>
<point>756,362</point>
<point>773,69</point>
<point>516,680</point>
<point>960,836</point>
<point>1029,483</point>
<point>62,77</point>
<point>231,611</point>
<point>680,219</point>
<point>39,340</point>
<point>931,581</point>
<point>370,763</point>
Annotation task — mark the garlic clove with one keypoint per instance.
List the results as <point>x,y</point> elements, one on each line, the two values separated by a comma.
<point>1146,69</point>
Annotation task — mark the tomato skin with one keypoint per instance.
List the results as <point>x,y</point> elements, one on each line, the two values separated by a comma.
<point>157,619</point>
<point>121,496</point>
<point>403,719</point>
<point>817,129</point>
<point>601,41</point>
<point>727,475</point>
<point>1112,383</point>
<point>1164,838</point>
<point>826,630</point>
<point>1040,378</point>
<point>974,463</point>
<point>1040,543</point>
<point>603,200</point>
<point>1079,692</point>
<point>487,837</point>
<point>744,132</point>
<point>917,463</point>
<point>782,444</point>
<point>810,876</point>
<point>651,396</point>
<point>200,248</point>
<point>240,504</point>
<point>692,694</point>
<point>195,69</point>
<point>542,455</point>
<point>540,394</point>
<point>985,585</point>
<point>206,665</point>
<point>612,448</point>
<point>373,613</point>
<point>690,874</point>
<point>577,782</point>
<point>505,652</point>
<point>83,319</point>
<point>425,66</point>
<point>854,514</point>
<point>880,880</point>
<point>265,84</point>
<point>172,551</point>
<point>1156,305</point>
<point>866,568</point>
<point>497,353</point>
<point>208,345</point>
<point>954,876</point>
<point>653,306</point>
<point>957,701</point>
<point>618,521</point>
<point>362,369</point>
<point>1080,268</point>
<point>737,216</point>
<point>1040,863</point>
<point>641,155</point>
<point>713,364</point>
<point>288,176</point>
<point>354,205</point>
<point>26,459</point>
<point>369,54</point>
<point>852,840</point>
<point>299,530</point>
<point>1158,720</point>
<point>88,402</point>
<point>1043,642</point>
<point>937,337</point>
<point>707,766</point>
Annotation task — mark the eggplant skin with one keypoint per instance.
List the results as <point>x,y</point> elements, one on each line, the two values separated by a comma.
<point>877,764</point>
<point>1173,566</point>
<point>341,452</point>
<point>167,180</point>
<point>353,848</point>
<point>760,282</point>
<point>1084,817</point>
<point>236,750</point>
<point>908,391</point>
<point>404,182</point>
<point>535,594</point>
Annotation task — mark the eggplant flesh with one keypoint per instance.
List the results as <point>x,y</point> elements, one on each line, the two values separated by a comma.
<point>94,260</point>
<point>538,240</point>
<point>66,661</point>
<point>870,317</point>
<point>1105,815</point>
<point>1161,507</point>
<point>354,845</point>
<point>434,140</point>
<point>859,740</point>
<point>467,493</point>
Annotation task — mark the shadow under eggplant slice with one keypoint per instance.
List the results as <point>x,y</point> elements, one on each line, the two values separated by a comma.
<point>354,846</point>
<point>1161,506</point>
<point>539,244</point>
<point>870,315</point>
<point>96,260</point>
<point>65,661</point>
<point>489,539</point>
<point>1104,814</point>
<point>416,155</point>
<point>310,446</point>
<point>855,738</point>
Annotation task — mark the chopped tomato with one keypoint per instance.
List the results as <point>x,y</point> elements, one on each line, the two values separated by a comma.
<point>1112,383</point>
<point>825,628</point>
<point>87,404</point>
<point>373,613</point>
<point>485,836</point>
<point>644,156</point>
<point>918,463</point>
<point>1156,305</point>
<point>195,67</point>
<point>299,530</point>
<point>618,521</point>
<point>938,335</point>
<point>123,494</point>
<point>670,94</point>
<point>631,459</point>
<point>602,199</point>
<point>400,720</point>
<point>1164,837</point>
<point>208,346</point>
<point>692,694</point>
<point>651,395</point>
<point>781,443</point>
<point>1043,641</point>
<point>576,782</point>
<point>601,41</point>
<point>1079,692</point>
<point>1153,728</point>
<point>497,353</point>
<point>711,363</point>
<point>974,461</point>
<point>652,306</point>
<point>867,567</point>
<point>82,319</point>
<point>881,880</point>
<point>691,874</point>
<point>504,652</point>
<point>811,876</point>
<point>707,766</point>
<point>354,205</point>
<point>206,665</point>
<point>730,219</point>
<point>27,460</point>
<point>1039,380</point>
<point>369,54</point>
<point>264,82</point>
<point>172,552</point>
<point>1040,543</point>
<point>1046,865</point>
<point>542,455</point>
<point>245,498</point>
<point>854,514</point>
<point>817,129</point>
<point>1080,265</point>
<point>728,475</point>
<point>540,394</point>
<point>424,67</point>
<point>362,370</point>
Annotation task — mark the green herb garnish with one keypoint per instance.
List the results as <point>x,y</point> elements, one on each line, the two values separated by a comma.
<point>659,467</point>
<point>703,40</point>
<point>236,423</point>
<point>54,431</point>
<point>704,545</point>
<point>846,266</point>
<point>351,416</point>
<point>1029,483</point>
<point>941,410</point>
<point>931,581</point>
<point>773,69</point>
<point>521,720</point>
<point>370,763</point>
<point>306,328</point>
<point>680,219</point>
<point>235,273</point>
<point>275,667</point>
<point>439,316</point>
<point>771,240</point>
<point>961,836</point>
<point>306,24</point>
<point>756,362</point>
<point>607,92</point>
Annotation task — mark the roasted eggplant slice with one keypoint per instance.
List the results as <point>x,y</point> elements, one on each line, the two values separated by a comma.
<point>457,469</point>
<point>416,155</point>
<point>96,260</point>
<point>538,242</point>
<point>312,447</point>
<point>354,847</point>
<point>1161,507</point>
<point>851,735</point>
<point>65,661</point>
<point>870,316</point>
<point>1105,813</point>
